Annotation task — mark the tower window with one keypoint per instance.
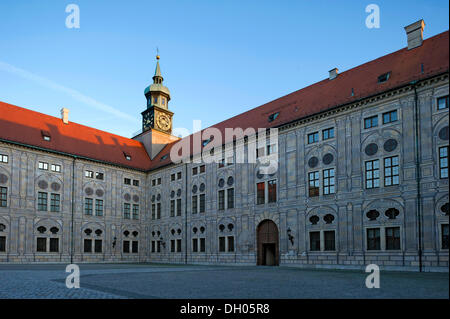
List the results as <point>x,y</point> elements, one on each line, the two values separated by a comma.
<point>155,100</point>
<point>163,101</point>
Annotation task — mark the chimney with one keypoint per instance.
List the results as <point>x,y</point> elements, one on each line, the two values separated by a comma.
<point>333,73</point>
<point>414,32</point>
<point>65,115</point>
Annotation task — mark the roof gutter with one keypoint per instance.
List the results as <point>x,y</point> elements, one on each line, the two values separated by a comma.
<point>43,149</point>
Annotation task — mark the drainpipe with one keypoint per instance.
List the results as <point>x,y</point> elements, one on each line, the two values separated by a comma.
<point>73,208</point>
<point>185,214</point>
<point>419,199</point>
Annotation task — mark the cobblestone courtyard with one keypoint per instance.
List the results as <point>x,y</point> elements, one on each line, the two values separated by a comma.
<point>189,281</point>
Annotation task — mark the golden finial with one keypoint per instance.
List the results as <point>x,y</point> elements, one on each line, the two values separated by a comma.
<point>157,54</point>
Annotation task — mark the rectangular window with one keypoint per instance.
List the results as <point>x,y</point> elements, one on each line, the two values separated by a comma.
<point>393,238</point>
<point>98,207</point>
<point>178,245</point>
<point>159,180</point>
<point>89,174</point>
<point>41,245</point>
<point>54,202</point>
<point>314,241</point>
<point>153,211</point>
<point>88,245</point>
<point>272,189</point>
<point>127,181</point>
<point>260,152</point>
<point>221,200</point>
<point>54,245</point>
<point>313,184</point>
<point>135,211</point>
<point>88,206</point>
<point>42,201</point>
<point>135,246</point>
<point>203,244</point>
<point>98,245</point>
<point>194,170</point>
<point>172,177</point>
<point>230,243</point>
<point>136,182</point>
<point>444,235</point>
<point>172,208</point>
<point>443,162</point>
<point>328,133</point>
<point>179,175</point>
<point>3,158</point>
<point>126,246</point>
<point>222,244</point>
<point>442,103</point>
<point>328,181</point>
<point>179,207</point>
<point>153,246</point>
<point>391,171</point>
<point>194,204</point>
<point>56,168</point>
<point>370,122</point>
<point>313,137</point>
<point>43,166</point>
<point>172,246</point>
<point>158,211</point>
<point>373,239</point>
<point>271,149</point>
<point>99,176</point>
<point>389,117</point>
<point>2,243</point>
<point>230,198</point>
<point>329,240</point>
<point>373,174</point>
<point>194,245</point>
<point>260,193</point>
<point>3,196</point>
<point>158,246</point>
<point>126,210</point>
<point>153,182</point>
<point>202,203</point>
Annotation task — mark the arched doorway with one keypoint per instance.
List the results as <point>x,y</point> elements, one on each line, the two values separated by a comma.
<point>268,245</point>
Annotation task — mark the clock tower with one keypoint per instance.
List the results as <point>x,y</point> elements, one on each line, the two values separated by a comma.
<point>156,119</point>
<point>157,115</point>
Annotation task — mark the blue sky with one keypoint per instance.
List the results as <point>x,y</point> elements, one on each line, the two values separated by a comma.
<point>218,58</point>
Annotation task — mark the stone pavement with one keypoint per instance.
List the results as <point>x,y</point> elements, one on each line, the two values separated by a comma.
<point>99,281</point>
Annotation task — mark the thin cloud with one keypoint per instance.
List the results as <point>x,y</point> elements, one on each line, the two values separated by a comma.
<point>73,93</point>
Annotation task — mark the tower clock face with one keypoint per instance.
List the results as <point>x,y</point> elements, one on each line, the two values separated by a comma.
<point>163,122</point>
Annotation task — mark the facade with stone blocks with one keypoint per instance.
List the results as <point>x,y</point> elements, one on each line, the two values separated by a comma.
<point>358,183</point>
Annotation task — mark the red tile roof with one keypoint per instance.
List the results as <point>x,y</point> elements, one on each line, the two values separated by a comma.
<point>28,127</point>
<point>404,66</point>
<point>24,126</point>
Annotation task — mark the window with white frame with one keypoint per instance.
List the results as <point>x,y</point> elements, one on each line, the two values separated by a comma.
<point>43,166</point>
<point>372,171</point>
<point>3,158</point>
<point>443,162</point>
<point>391,171</point>
<point>56,168</point>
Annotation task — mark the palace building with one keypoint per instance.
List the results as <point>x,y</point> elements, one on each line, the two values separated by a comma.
<point>362,177</point>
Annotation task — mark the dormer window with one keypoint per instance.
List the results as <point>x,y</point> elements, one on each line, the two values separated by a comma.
<point>164,157</point>
<point>127,156</point>
<point>273,116</point>
<point>384,77</point>
<point>46,135</point>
